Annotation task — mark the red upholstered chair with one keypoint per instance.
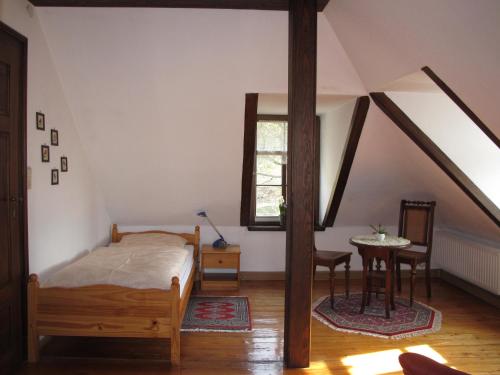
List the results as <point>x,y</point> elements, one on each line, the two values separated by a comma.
<point>416,222</point>
<point>417,364</point>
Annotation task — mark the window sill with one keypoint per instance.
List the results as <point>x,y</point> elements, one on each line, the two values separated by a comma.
<point>269,228</point>
<point>277,228</point>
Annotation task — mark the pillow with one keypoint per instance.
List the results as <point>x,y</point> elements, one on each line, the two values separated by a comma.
<point>152,239</point>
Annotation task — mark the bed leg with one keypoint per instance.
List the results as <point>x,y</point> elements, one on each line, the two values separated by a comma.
<point>175,340</point>
<point>33,339</point>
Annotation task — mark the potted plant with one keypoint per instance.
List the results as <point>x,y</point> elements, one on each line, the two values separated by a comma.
<point>379,231</point>
<point>282,207</point>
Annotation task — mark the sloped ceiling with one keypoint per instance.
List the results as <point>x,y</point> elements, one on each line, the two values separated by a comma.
<point>389,167</point>
<point>457,39</point>
<point>158,98</point>
<point>388,40</point>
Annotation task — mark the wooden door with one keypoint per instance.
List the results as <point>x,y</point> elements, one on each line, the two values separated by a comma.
<point>12,212</point>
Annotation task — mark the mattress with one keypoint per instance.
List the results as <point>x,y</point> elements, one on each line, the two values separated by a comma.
<point>139,267</point>
<point>186,267</point>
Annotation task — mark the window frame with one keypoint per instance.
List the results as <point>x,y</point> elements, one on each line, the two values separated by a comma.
<point>271,220</point>
<point>250,134</point>
<point>248,202</point>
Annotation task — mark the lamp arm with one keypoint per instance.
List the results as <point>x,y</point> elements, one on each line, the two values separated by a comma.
<point>213,226</point>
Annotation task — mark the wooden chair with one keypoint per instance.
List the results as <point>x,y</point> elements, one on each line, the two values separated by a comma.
<point>416,222</point>
<point>332,259</point>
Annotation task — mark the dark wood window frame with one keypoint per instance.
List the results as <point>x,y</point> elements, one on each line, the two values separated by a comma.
<point>248,201</point>
<point>272,221</point>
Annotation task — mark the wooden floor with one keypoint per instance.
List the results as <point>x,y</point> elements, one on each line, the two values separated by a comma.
<point>469,340</point>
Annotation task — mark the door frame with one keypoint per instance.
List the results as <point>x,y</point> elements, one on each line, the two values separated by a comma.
<point>23,177</point>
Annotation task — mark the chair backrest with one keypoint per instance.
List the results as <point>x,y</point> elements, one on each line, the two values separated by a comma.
<point>416,222</point>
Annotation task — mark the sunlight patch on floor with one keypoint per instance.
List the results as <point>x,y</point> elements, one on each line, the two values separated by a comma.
<point>374,363</point>
<point>386,361</point>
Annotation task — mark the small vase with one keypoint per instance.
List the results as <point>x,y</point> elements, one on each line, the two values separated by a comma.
<point>380,236</point>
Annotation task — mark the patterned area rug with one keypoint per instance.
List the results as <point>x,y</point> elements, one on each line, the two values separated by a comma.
<point>217,314</point>
<point>405,321</point>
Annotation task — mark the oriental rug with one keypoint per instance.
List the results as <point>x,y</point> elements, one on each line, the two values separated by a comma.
<point>405,321</point>
<point>217,314</point>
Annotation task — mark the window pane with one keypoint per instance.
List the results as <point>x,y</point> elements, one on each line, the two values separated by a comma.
<point>272,135</point>
<point>267,200</point>
<point>269,169</point>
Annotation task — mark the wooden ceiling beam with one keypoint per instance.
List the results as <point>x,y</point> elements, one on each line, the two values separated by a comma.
<point>456,99</point>
<point>206,4</point>
<point>400,118</point>
<point>302,61</point>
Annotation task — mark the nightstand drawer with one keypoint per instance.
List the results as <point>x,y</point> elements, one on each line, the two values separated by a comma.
<point>220,260</point>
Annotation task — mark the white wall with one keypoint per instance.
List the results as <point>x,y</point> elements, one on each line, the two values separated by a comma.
<point>265,251</point>
<point>457,135</point>
<point>335,125</point>
<point>158,96</point>
<point>66,219</point>
<point>389,167</point>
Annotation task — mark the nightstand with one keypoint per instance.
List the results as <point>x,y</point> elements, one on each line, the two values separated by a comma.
<point>220,259</point>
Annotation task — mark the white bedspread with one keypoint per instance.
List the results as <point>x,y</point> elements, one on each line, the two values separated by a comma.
<point>140,267</point>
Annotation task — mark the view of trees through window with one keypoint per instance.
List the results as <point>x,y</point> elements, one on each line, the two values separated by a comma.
<point>270,167</point>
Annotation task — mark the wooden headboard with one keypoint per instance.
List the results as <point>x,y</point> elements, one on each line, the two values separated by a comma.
<point>191,238</point>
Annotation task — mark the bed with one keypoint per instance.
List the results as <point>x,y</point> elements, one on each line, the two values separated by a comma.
<point>123,306</point>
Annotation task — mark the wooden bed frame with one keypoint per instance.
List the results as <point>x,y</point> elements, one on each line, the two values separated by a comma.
<point>110,310</point>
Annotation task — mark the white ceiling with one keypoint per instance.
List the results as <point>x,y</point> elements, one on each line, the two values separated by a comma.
<point>414,82</point>
<point>277,104</point>
<point>458,39</point>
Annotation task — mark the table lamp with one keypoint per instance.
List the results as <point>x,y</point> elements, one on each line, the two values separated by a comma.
<point>219,243</point>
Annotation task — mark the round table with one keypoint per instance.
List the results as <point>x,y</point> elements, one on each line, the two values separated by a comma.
<point>370,248</point>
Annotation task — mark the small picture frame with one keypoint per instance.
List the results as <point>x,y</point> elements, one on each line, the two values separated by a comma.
<point>64,164</point>
<point>54,137</point>
<point>45,154</point>
<point>40,121</point>
<point>54,177</point>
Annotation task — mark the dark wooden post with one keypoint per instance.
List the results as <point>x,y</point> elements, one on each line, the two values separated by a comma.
<point>300,212</point>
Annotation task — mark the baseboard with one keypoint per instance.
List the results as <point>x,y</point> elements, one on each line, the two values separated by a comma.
<point>480,293</point>
<point>322,275</point>
<point>470,288</point>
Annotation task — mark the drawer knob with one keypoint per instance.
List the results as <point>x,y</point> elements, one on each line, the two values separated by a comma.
<point>220,261</point>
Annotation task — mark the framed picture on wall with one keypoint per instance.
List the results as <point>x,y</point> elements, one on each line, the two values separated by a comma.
<point>55,177</point>
<point>64,164</point>
<point>40,121</point>
<point>45,154</point>
<point>54,137</point>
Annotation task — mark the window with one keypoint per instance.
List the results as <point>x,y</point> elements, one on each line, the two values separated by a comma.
<point>265,156</point>
<point>269,182</point>
<point>270,168</point>
<point>264,177</point>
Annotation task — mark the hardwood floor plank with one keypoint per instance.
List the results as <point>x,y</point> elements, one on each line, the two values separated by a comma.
<point>468,340</point>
